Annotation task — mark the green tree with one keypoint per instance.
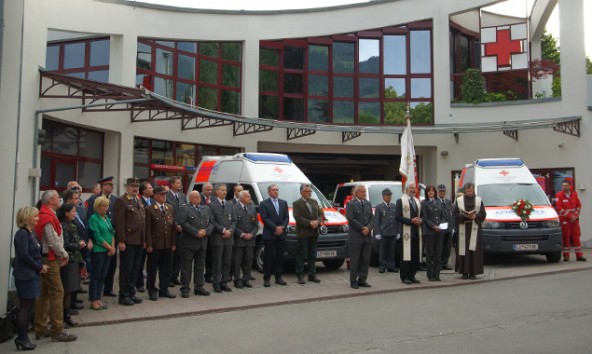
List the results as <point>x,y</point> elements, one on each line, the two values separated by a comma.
<point>472,89</point>
<point>549,48</point>
<point>588,65</point>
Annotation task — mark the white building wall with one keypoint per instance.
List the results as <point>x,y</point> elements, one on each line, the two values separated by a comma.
<point>124,23</point>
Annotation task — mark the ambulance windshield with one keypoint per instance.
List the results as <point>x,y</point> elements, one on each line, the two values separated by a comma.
<point>507,193</point>
<point>290,191</point>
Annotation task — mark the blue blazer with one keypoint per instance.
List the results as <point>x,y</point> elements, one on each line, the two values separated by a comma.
<point>27,261</point>
<point>271,219</point>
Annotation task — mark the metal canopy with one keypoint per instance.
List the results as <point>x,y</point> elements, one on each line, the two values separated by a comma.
<point>147,106</point>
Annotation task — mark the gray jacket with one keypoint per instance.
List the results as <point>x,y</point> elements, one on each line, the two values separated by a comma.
<point>385,223</point>
<point>359,215</point>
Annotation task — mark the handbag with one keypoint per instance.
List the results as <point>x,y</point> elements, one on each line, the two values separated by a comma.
<point>8,324</point>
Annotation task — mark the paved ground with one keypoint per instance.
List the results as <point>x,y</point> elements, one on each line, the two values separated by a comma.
<point>527,306</point>
<point>335,284</point>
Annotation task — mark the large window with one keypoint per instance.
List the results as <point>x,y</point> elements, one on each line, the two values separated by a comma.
<point>70,154</point>
<point>158,160</point>
<point>204,74</point>
<point>367,77</point>
<point>84,58</point>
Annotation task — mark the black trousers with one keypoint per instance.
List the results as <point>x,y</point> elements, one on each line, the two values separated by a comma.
<point>221,260</point>
<point>273,256</point>
<point>159,261</point>
<point>307,251</point>
<point>140,280</point>
<point>446,247</point>
<point>128,269</point>
<point>208,263</point>
<point>176,261</point>
<point>409,268</point>
<point>433,255</point>
<point>386,254</point>
<point>110,278</point>
<point>242,260</point>
<point>359,257</point>
<point>197,259</point>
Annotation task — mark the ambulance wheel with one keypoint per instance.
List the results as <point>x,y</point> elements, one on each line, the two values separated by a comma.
<point>333,264</point>
<point>259,253</point>
<point>553,257</point>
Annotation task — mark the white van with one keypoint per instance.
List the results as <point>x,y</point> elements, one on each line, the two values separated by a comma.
<point>255,172</point>
<point>500,182</point>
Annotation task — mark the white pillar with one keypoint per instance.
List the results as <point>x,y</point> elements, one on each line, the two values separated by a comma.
<point>573,54</point>
<point>250,84</point>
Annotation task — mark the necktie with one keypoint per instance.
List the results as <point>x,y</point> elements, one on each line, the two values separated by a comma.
<point>177,197</point>
<point>162,209</point>
<point>308,207</point>
<point>148,201</point>
<point>245,208</point>
<point>276,206</point>
<point>413,206</point>
<point>223,204</point>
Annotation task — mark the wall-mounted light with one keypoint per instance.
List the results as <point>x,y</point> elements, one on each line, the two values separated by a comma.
<point>561,146</point>
<point>444,153</point>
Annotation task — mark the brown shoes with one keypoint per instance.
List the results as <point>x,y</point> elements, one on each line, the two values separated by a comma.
<point>64,337</point>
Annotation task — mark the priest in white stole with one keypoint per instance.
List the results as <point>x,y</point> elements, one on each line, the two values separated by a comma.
<point>469,213</point>
<point>408,210</point>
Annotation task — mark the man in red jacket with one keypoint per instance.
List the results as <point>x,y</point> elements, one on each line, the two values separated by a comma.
<point>568,207</point>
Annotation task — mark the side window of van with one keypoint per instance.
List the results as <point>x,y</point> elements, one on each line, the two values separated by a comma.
<point>342,195</point>
<point>197,187</point>
<point>469,175</point>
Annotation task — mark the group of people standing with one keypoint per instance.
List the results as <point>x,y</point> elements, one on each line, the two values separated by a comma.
<point>409,229</point>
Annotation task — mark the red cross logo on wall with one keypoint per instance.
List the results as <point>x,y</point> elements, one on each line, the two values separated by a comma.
<point>278,170</point>
<point>503,48</point>
<point>504,173</point>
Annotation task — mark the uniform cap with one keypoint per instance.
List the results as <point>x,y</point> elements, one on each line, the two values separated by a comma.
<point>106,180</point>
<point>441,187</point>
<point>160,190</point>
<point>133,181</point>
<point>386,191</point>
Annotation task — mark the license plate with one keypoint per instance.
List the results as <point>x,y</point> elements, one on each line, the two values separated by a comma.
<point>526,247</point>
<point>326,254</point>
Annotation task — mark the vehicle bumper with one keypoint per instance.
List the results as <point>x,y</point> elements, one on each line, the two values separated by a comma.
<point>547,240</point>
<point>336,242</point>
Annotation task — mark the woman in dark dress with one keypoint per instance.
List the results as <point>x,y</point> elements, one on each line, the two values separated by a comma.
<point>70,273</point>
<point>27,267</point>
<point>432,215</point>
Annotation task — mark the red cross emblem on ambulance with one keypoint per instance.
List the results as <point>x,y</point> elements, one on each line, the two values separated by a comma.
<point>504,173</point>
<point>278,170</point>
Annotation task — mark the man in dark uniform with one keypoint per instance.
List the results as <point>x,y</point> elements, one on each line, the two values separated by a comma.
<point>130,223</point>
<point>206,197</point>
<point>408,212</point>
<point>146,193</point>
<point>106,184</point>
<point>237,188</point>
<point>361,222</point>
<point>275,216</point>
<point>175,197</point>
<point>447,218</point>
<point>309,217</point>
<point>161,242</point>
<point>197,225</point>
<point>245,232</point>
<point>221,240</point>
<point>386,229</point>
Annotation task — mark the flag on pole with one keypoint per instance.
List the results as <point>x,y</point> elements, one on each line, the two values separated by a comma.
<point>408,166</point>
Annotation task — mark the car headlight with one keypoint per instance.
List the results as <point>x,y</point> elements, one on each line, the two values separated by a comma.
<point>491,225</point>
<point>552,223</point>
<point>291,229</point>
<point>345,228</point>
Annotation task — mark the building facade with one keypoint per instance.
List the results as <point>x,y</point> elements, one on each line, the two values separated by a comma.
<point>334,82</point>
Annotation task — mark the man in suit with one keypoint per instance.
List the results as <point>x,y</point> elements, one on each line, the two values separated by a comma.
<point>408,215</point>
<point>146,193</point>
<point>385,231</point>
<point>448,218</point>
<point>275,217</point>
<point>206,197</point>
<point>106,184</point>
<point>221,240</point>
<point>129,216</point>
<point>309,218</point>
<point>237,188</point>
<point>196,221</point>
<point>176,198</point>
<point>361,222</point>
<point>161,242</point>
<point>245,232</point>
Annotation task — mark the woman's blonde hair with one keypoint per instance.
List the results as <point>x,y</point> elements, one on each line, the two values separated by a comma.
<point>101,201</point>
<point>24,214</point>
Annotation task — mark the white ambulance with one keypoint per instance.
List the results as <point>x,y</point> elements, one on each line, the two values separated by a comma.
<point>500,182</point>
<point>255,172</point>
